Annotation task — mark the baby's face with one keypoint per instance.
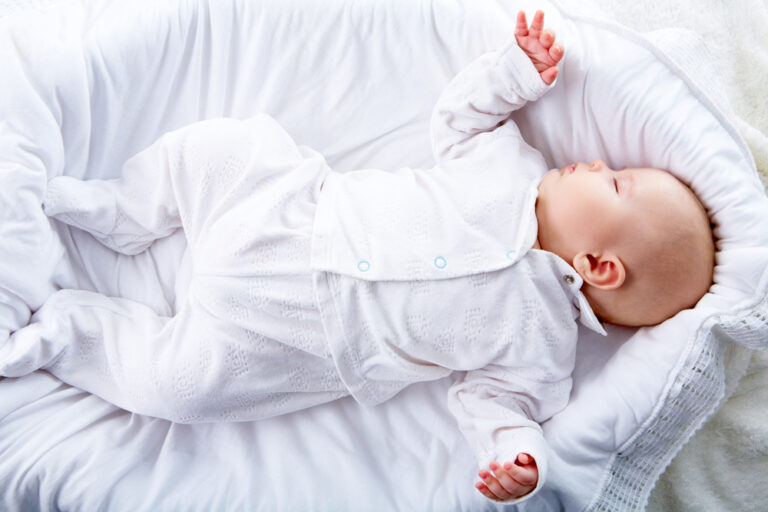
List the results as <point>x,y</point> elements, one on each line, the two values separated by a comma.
<point>591,205</point>
<point>639,237</point>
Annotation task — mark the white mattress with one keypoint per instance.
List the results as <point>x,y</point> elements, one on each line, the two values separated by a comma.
<point>100,80</point>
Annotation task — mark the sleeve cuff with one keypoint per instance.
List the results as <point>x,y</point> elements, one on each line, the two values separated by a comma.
<point>522,75</point>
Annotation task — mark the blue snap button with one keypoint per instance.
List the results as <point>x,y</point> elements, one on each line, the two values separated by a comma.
<point>511,255</point>
<point>363,266</point>
<point>440,262</point>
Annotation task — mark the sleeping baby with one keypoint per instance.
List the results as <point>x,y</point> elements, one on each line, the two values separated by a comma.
<point>304,285</point>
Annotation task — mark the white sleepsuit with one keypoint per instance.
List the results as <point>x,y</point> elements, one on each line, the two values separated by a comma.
<point>309,285</point>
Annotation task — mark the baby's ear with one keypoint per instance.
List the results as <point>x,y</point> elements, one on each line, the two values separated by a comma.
<point>604,271</point>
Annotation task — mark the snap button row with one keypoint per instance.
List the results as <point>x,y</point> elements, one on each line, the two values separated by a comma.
<point>441,263</point>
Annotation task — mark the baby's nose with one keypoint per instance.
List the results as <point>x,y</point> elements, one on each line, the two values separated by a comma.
<point>597,165</point>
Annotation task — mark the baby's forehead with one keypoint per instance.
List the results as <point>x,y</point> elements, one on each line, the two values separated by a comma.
<point>661,191</point>
<point>649,171</point>
<point>657,180</point>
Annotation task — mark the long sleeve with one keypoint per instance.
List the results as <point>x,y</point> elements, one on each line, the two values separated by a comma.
<point>499,411</point>
<point>477,199</point>
<point>480,98</point>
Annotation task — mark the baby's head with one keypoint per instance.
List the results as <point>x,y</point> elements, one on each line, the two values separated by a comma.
<point>639,238</point>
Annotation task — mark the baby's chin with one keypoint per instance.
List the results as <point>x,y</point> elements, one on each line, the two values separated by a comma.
<point>548,176</point>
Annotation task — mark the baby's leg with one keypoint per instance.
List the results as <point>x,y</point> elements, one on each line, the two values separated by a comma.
<point>174,183</point>
<point>190,368</point>
<point>128,213</point>
<point>247,342</point>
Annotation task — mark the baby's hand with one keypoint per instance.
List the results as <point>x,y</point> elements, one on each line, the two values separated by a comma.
<point>539,45</point>
<point>512,480</point>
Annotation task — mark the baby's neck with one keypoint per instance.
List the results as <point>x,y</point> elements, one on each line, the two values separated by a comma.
<point>536,244</point>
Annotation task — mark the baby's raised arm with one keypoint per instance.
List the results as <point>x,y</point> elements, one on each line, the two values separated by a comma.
<point>481,97</point>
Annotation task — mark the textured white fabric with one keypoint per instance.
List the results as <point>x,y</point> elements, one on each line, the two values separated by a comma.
<point>247,341</point>
<point>11,6</point>
<point>88,86</point>
<point>471,213</point>
<point>222,182</point>
<point>429,271</point>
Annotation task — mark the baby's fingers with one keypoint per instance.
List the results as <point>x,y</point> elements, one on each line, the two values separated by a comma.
<point>537,24</point>
<point>556,52</point>
<point>547,38</point>
<point>485,491</point>
<point>512,486</point>
<point>492,485</point>
<point>521,28</point>
<point>524,471</point>
<point>549,75</point>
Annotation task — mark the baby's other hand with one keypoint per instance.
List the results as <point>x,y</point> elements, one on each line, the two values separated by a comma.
<point>510,480</point>
<point>539,45</point>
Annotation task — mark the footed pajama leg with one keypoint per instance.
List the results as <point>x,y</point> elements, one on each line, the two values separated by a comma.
<point>247,340</point>
<point>182,180</point>
<point>190,368</point>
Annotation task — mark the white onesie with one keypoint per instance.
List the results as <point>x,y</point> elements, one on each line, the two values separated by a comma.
<point>309,285</point>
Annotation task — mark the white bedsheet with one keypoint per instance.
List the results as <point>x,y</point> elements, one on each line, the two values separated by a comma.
<point>64,449</point>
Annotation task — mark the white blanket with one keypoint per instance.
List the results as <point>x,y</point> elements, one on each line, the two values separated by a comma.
<point>63,449</point>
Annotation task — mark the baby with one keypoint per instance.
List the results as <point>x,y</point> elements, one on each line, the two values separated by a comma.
<point>306,285</point>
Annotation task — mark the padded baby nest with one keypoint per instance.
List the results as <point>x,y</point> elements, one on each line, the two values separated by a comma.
<point>88,85</point>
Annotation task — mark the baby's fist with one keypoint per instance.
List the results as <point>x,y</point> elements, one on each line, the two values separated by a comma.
<point>509,481</point>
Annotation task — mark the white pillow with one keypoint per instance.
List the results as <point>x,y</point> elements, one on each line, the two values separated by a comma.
<point>356,81</point>
<point>626,101</point>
